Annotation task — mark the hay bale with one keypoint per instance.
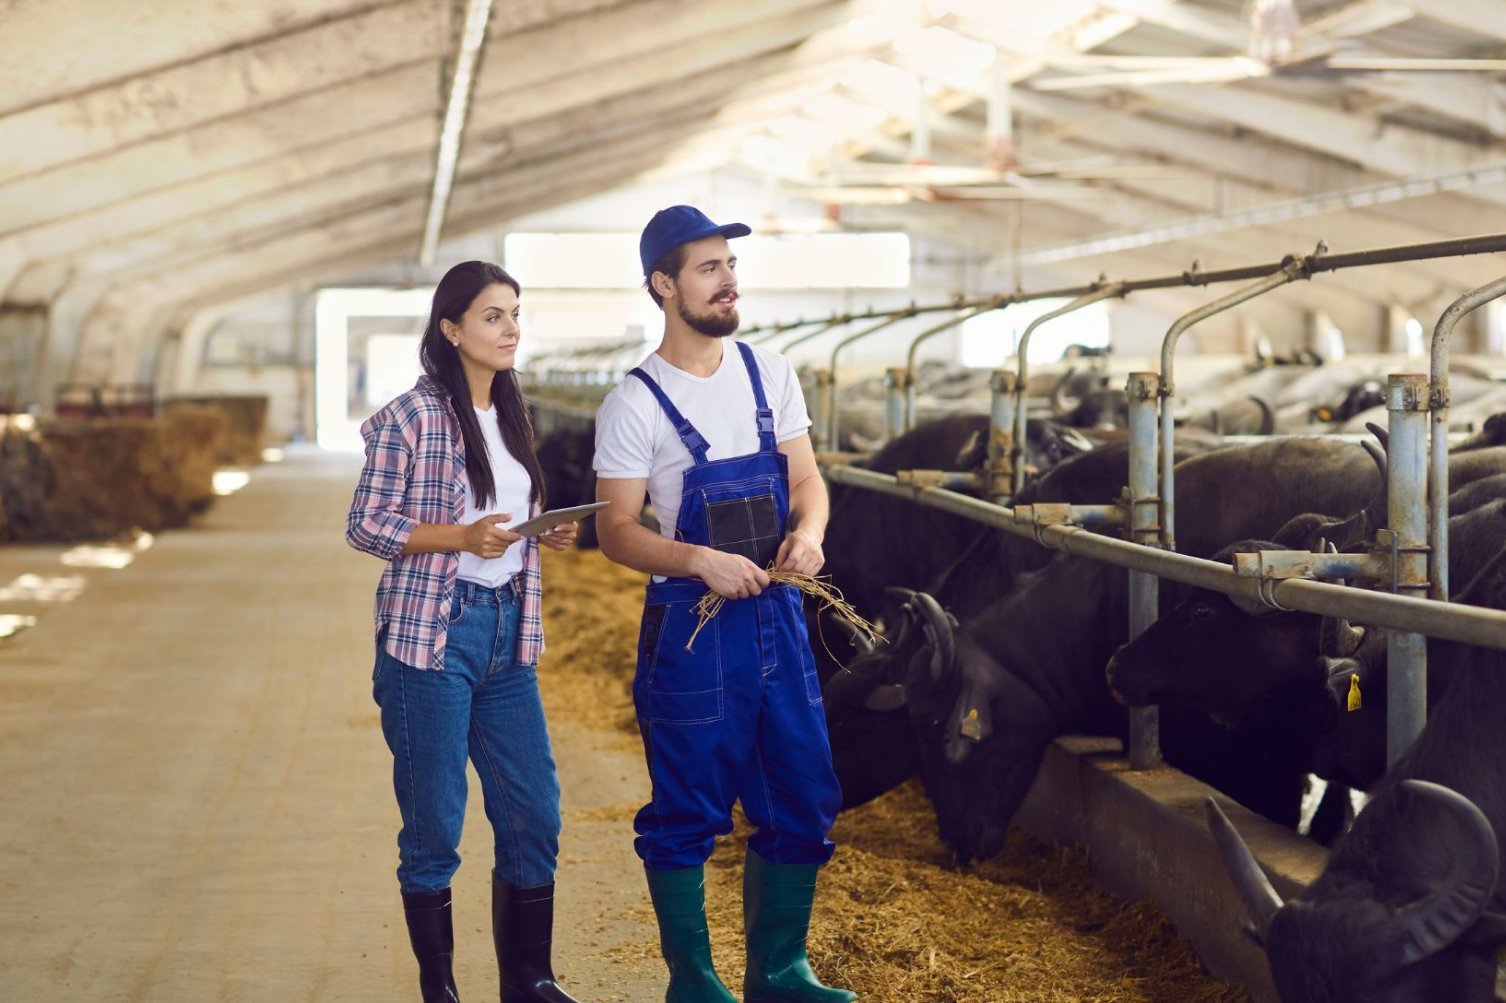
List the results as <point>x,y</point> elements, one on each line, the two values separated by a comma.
<point>94,480</point>
<point>192,442</point>
<point>245,423</point>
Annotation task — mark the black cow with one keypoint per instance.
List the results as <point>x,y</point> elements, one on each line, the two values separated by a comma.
<point>874,540</point>
<point>984,698</point>
<point>1492,433</point>
<point>1288,674</point>
<point>1408,908</point>
<point>565,457</point>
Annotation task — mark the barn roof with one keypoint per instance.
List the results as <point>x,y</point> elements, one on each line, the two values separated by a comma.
<point>157,160</point>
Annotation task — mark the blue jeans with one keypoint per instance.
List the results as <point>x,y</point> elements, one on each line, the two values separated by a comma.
<point>485,707</point>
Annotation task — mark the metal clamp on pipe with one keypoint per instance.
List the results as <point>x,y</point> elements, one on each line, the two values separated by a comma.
<point>1330,567</point>
<point>952,480</point>
<point>1062,514</point>
<point>896,388</point>
<point>823,423</point>
<point>1000,464</point>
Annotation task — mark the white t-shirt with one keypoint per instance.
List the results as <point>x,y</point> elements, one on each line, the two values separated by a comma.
<point>511,488</point>
<point>635,439</point>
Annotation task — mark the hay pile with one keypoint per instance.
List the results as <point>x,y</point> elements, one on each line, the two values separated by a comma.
<point>72,480</point>
<point>895,920</point>
<point>245,424</point>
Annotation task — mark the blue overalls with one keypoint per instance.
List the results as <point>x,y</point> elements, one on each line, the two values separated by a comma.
<point>740,716</point>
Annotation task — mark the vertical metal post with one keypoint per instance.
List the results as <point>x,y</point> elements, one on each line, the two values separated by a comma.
<point>1406,512</point>
<point>831,415</point>
<point>909,401</point>
<point>896,381</point>
<point>823,422</point>
<point>1022,353</point>
<point>998,482</point>
<point>1143,528</point>
<point>1438,400</point>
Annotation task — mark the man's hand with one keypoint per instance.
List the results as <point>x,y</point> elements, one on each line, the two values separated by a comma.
<point>560,537</point>
<point>800,553</point>
<point>485,538</point>
<point>730,576</point>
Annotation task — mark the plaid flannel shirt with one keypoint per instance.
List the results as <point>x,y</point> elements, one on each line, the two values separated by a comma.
<point>415,473</point>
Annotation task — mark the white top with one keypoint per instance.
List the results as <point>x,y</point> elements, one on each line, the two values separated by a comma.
<point>510,494</point>
<point>635,439</point>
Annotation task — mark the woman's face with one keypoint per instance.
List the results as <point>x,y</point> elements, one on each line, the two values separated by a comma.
<point>487,333</point>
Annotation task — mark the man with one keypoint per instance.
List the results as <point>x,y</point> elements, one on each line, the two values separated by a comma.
<point>715,432</point>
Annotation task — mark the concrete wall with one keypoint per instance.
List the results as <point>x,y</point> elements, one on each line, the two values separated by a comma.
<point>1146,837</point>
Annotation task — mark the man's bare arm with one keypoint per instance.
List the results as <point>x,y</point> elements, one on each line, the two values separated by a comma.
<point>800,551</point>
<point>627,541</point>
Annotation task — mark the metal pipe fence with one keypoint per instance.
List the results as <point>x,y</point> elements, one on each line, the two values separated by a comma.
<point>1467,624</point>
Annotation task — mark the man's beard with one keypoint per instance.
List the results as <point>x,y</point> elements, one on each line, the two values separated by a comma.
<point>712,325</point>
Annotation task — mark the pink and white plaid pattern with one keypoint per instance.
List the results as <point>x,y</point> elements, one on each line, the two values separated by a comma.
<point>415,473</point>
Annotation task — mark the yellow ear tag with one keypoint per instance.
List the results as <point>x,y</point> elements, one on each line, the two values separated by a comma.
<point>971,727</point>
<point>1354,692</point>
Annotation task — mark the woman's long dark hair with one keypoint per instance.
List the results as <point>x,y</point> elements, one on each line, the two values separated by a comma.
<point>441,360</point>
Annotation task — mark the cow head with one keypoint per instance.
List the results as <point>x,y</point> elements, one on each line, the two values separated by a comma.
<point>1230,656</point>
<point>867,719</point>
<point>1211,654</point>
<point>1350,942</point>
<point>1352,745</point>
<point>1095,404</point>
<point>929,691</point>
<point>1048,443</point>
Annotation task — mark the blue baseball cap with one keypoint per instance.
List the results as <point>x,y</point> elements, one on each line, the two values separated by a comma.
<point>680,224</point>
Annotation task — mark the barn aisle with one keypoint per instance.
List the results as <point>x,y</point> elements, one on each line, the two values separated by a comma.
<point>197,804</point>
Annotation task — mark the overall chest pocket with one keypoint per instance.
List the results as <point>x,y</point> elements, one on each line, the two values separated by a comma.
<point>673,685</point>
<point>745,519</point>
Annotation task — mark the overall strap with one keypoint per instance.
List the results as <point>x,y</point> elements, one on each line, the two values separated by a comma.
<point>766,441</point>
<point>693,440</point>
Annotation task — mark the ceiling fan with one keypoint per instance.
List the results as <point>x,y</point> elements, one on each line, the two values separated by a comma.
<point>1279,44</point>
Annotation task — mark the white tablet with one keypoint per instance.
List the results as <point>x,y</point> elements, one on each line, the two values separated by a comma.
<point>545,521</point>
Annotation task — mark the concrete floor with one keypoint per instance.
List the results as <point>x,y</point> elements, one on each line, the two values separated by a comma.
<point>196,803</point>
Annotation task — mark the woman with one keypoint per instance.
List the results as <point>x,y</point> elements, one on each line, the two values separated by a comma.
<point>449,464</point>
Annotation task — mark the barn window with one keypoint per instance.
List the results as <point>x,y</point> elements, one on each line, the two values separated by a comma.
<point>788,261</point>
<point>988,339</point>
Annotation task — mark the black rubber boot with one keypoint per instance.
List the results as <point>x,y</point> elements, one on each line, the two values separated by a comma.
<point>523,930</point>
<point>432,934</point>
<point>680,903</point>
<point>777,901</point>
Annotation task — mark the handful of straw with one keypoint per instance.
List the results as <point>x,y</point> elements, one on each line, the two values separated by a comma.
<point>831,597</point>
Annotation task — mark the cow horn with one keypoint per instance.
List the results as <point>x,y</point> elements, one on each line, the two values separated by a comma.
<point>1339,638</point>
<point>1267,415</point>
<point>1437,921</point>
<point>856,639</point>
<point>1059,406</point>
<point>1255,889</point>
<point>938,626</point>
<point>906,598</point>
<point>1381,434</point>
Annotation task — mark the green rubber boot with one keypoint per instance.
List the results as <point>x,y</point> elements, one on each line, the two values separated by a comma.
<point>680,903</point>
<point>777,902</point>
